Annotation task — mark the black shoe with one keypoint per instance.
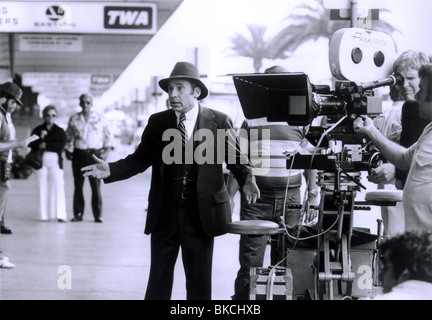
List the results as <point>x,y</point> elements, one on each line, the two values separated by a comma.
<point>76,218</point>
<point>99,220</point>
<point>5,230</point>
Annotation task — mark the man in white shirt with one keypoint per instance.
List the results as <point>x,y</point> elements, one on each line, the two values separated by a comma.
<point>87,133</point>
<point>417,158</point>
<point>386,175</point>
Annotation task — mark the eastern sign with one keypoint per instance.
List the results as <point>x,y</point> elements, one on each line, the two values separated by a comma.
<point>68,17</point>
<point>55,13</point>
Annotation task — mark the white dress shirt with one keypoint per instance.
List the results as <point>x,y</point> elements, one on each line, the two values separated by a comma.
<point>191,118</point>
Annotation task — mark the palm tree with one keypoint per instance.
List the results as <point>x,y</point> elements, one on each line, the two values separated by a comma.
<point>311,21</point>
<point>308,21</point>
<point>255,47</point>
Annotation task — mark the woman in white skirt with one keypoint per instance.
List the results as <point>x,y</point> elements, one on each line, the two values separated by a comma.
<point>50,178</point>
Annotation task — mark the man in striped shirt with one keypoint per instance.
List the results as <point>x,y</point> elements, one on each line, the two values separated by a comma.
<point>268,141</point>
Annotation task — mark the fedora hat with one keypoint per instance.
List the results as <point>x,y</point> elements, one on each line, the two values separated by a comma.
<point>187,71</point>
<point>13,90</point>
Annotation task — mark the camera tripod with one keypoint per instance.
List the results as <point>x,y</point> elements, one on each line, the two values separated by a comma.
<point>334,261</point>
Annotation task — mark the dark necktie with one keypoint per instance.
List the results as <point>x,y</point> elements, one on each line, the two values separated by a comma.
<point>182,128</point>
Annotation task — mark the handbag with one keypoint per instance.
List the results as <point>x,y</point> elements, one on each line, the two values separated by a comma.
<point>5,171</point>
<point>34,158</point>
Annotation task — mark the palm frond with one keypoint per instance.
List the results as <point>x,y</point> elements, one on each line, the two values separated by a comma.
<point>308,21</point>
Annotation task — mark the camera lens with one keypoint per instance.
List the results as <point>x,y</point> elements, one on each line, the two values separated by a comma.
<point>356,55</point>
<point>379,58</point>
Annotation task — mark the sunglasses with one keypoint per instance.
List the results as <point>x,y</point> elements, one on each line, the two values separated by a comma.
<point>51,115</point>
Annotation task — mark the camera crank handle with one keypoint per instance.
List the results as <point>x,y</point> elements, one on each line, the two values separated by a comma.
<point>351,178</point>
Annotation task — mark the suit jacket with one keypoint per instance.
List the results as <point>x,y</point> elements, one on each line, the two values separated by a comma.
<point>212,195</point>
<point>55,140</point>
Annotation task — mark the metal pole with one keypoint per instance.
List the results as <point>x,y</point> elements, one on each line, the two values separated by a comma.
<point>354,13</point>
<point>12,55</point>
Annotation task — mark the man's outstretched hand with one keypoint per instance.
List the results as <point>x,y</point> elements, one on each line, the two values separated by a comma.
<point>100,170</point>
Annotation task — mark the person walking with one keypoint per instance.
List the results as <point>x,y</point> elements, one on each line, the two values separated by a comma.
<point>50,178</point>
<point>87,133</point>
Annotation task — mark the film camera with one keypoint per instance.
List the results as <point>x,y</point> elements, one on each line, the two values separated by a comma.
<point>356,57</point>
<point>291,97</point>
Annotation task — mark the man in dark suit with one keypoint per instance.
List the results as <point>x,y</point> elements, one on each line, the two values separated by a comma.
<point>188,199</point>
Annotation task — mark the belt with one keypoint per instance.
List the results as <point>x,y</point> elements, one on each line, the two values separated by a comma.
<point>87,150</point>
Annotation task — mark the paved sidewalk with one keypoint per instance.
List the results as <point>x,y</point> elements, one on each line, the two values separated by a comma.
<point>108,261</point>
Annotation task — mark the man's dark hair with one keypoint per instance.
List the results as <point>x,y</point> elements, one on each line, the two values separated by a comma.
<point>276,69</point>
<point>411,251</point>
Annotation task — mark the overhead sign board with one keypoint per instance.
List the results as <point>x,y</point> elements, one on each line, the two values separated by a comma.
<point>130,18</point>
<point>50,43</point>
<point>100,83</point>
<point>66,84</point>
<point>64,90</point>
<point>53,79</point>
<point>101,79</point>
<point>79,17</point>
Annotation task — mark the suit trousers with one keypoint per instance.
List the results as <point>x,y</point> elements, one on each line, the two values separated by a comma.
<point>82,158</point>
<point>180,227</point>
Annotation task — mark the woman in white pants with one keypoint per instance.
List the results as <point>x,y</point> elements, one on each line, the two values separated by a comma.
<point>50,178</point>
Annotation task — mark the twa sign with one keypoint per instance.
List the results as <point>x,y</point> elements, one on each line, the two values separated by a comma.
<point>122,17</point>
